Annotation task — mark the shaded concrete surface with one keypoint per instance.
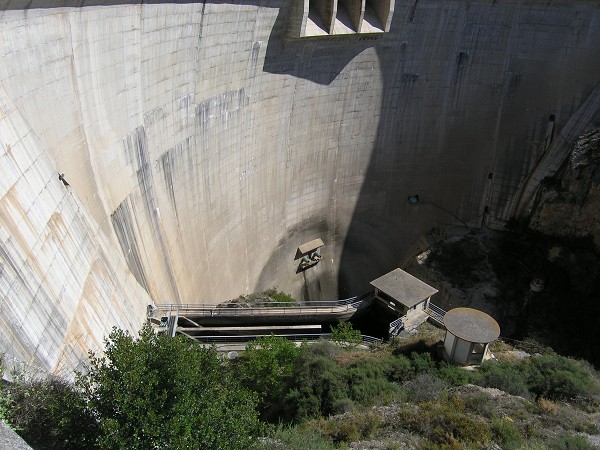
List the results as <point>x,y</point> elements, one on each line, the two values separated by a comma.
<point>11,440</point>
<point>202,147</point>
<point>585,118</point>
<point>464,115</point>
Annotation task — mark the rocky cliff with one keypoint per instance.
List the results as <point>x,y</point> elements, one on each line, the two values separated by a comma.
<point>568,204</point>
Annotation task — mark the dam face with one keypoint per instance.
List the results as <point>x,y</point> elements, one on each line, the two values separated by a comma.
<point>202,145</point>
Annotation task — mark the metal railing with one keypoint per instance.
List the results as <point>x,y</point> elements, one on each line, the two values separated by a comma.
<point>436,313</point>
<point>396,327</point>
<point>436,309</point>
<point>233,309</point>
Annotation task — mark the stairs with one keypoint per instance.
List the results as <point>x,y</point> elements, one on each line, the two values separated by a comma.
<point>435,313</point>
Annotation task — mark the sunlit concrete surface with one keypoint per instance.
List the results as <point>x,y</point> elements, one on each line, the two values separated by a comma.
<point>203,146</point>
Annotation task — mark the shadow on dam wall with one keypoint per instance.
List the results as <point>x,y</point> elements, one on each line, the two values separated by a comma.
<point>465,122</point>
<point>464,118</point>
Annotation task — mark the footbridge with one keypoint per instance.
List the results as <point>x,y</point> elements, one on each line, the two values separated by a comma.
<point>181,318</point>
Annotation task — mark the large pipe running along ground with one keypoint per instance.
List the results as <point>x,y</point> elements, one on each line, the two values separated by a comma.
<point>202,146</point>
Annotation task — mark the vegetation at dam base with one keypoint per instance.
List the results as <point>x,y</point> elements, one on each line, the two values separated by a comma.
<point>156,392</point>
<point>149,392</point>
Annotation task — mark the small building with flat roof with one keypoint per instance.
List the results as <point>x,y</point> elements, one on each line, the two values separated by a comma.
<point>468,336</point>
<point>406,293</point>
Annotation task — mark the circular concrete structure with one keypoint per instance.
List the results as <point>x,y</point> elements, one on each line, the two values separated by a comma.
<point>468,335</point>
<point>471,325</point>
<point>203,145</point>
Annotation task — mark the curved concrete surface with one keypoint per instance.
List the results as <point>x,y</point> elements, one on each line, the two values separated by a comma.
<point>202,147</point>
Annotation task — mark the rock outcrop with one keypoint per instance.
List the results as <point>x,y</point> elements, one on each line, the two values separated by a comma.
<point>569,203</point>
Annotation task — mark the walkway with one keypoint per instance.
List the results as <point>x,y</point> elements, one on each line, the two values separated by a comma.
<point>259,314</point>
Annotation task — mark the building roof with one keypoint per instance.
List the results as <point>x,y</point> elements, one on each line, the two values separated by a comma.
<point>310,246</point>
<point>403,287</point>
<point>471,325</point>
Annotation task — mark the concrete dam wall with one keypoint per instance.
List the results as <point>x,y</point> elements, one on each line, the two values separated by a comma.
<point>202,145</point>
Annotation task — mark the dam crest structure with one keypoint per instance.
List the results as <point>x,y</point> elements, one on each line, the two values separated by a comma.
<point>203,142</point>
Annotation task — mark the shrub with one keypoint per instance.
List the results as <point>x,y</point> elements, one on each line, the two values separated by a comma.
<point>322,347</point>
<point>421,362</point>
<point>345,335</point>
<point>397,368</point>
<point>424,388</point>
<point>316,387</point>
<point>162,392</point>
<point>264,368</point>
<point>445,423</point>
<point>350,427</point>
<point>508,377</point>
<point>49,413</point>
<point>480,404</point>
<point>319,385</point>
<point>557,377</point>
<point>367,383</point>
<point>454,375</point>
<point>281,297</point>
<point>506,434</point>
<point>298,437</point>
<point>548,406</point>
<point>570,441</point>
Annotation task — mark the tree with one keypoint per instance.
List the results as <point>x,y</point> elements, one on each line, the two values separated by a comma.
<point>162,392</point>
<point>345,335</point>
<point>266,364</point>
<point>48,413</point>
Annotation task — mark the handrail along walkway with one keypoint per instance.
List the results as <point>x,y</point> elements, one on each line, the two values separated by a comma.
<point>170,316</point>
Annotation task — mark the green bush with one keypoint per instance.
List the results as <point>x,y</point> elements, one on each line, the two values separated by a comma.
<point>368,384</point>
<point>508,377</point>
<point>316,387</point>
<point>322,347</point>
<point>297,437</point>
<point>454,375</point>
<point>345,335</point>
<point>162,392</point>
<point>349,427</point>
<point>424,387</point>
<point>281,297</point>
<point>559,378</point>
<point>319,385</point>
<point>570,441</point>
<point>550,376</point>
<point>49,413</point>
<point>264,368</point>
<point>397,368</point>
<point>506,434</point>
<point>445,423</point>
<point>422,362</point>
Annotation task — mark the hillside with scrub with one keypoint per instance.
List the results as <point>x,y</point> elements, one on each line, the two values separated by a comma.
<point>152,391</point>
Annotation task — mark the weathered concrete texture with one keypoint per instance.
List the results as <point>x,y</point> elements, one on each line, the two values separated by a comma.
<point>10,439</point>
<point>63,286</point>
<point>206,147</point>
